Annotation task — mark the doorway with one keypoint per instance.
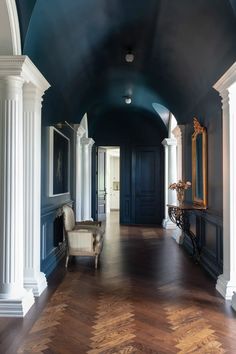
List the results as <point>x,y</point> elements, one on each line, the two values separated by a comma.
<point>138,171</point>
<point>108,181</point>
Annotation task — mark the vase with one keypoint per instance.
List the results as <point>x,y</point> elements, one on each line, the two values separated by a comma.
<point>180,196</point>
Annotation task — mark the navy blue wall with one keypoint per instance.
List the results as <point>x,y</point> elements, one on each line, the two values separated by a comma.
<point>208,225</point>
<point>50,206</point>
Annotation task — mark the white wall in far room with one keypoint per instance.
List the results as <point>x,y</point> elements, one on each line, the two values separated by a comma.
<point>113,179</point>
<point>115,183</point>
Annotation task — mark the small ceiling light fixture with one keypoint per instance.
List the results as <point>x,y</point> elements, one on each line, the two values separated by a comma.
<point>129,57</point>
<point>128,100</point>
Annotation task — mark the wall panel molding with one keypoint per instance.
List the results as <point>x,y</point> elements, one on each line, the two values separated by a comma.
<point>208,228</point>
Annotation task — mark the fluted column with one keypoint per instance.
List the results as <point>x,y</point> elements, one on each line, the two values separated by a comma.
<point>90,177</point>
<point>177,132</point>
<point>14,299</point>
<point>226,282</point>
<point>78,205</point>
<point>33,278</point>
<point>166,182</point>
<point>170,177</point>
<point>87,144</point>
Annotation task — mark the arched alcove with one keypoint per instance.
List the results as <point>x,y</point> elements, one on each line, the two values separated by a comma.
<point>10,40</point>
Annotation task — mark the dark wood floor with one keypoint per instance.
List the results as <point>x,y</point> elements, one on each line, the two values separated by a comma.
<point>148,296</point>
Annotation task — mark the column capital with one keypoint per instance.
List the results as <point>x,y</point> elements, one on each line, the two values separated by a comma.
<point>177,132</point>
<point>21,66</point>
<point>80,131</point>
<point>9,84</point>
<point>32,96</point>
<point>169,142</point>
<point>87,141</point>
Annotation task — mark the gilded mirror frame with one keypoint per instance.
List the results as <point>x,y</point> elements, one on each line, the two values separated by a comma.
<point>199,164</point>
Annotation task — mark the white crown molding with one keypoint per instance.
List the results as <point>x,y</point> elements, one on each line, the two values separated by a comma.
<point>227,80</point>
<point>14,26</point>
<point>22,66</point>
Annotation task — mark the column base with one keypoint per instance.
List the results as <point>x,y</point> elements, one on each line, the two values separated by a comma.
<point>233,304</point>
<point>38,285</point>
<point>16,307</point>
<point>178,236</point>
<point>168,224</point>
<point>225,287</point>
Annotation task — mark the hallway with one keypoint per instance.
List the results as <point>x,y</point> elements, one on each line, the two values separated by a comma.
<point>146,297</point>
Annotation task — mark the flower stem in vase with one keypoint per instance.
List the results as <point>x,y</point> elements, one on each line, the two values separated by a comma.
<point>180,196</point>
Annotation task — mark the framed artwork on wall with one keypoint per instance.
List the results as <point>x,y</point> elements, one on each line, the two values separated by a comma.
<point>59,153</point>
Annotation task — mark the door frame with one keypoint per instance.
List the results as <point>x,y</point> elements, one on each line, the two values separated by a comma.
<point>95,176</point>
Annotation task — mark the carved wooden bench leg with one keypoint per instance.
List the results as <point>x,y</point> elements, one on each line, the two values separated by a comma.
<point>67,259</point>
<point>96,261</point>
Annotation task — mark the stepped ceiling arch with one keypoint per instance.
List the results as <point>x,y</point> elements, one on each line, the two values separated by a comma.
<point>181,48</point>
<point>10,39</point>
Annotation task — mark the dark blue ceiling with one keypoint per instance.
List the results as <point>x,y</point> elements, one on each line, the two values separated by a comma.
<point>181,48</point>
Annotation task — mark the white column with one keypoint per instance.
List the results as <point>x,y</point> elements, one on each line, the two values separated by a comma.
<point>33,278</point>
<point>170,177</point>
<point>178,136</point>
<point>14,299</point>
<point>79,177</point>
<point>90,178</point>
<point>172,170</point>
<point>87,144</point>
<point>233,245</point>
<point>166,182</point>
<point>226,86</point>
<point>178,235</point>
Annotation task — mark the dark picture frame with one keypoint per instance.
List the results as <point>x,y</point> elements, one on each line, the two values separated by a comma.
<point>59,152</point>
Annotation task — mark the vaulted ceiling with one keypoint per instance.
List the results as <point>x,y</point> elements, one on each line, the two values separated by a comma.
<point>181,48</point>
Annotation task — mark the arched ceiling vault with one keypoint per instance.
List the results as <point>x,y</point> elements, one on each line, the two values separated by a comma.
<point>181,48</point>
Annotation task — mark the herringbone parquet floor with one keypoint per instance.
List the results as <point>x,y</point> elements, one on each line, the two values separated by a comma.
<point>146,297</point>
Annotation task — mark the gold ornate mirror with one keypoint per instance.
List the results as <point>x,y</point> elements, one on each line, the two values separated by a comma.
<point>199,164</point>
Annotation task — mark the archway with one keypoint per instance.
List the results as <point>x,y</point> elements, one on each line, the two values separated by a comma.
<point>10,41</point>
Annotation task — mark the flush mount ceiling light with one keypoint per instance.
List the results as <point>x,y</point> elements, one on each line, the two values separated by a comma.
<point>129,57</point>
<point>128,100</point>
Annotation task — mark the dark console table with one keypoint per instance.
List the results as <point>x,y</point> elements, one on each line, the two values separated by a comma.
<point>179,215</point>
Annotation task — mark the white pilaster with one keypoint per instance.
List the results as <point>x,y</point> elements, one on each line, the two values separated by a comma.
<point>178,136</point>
<point>90,178</point>
<point>14,299</point>
<point>33,278</point>
<point>226,86</point>
<point>87,144</point>
<point>166,181</point>
<point>79,177</point>
<point>170,177</point>
<point>177,132</point>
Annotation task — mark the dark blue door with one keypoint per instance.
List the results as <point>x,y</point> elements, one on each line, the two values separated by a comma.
<point>147,186</point>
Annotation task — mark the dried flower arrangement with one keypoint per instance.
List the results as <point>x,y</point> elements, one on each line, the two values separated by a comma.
<point>181,185</point>
<point>180,188</point>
